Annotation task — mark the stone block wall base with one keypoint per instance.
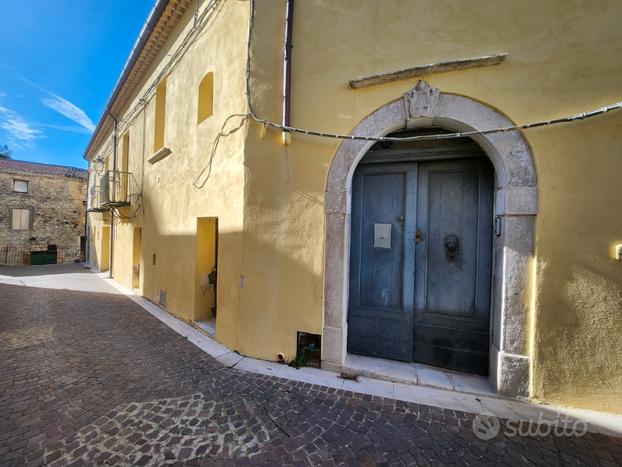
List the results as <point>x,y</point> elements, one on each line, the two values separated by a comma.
<point>513,374</point>
<point>331,366</point>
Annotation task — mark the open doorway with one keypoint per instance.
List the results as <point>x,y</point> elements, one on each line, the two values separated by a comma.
<point>136,258</point>
<point>205,307</point>
<point>104,259</point>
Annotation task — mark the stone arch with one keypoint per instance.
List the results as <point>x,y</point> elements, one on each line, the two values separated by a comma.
<point>516,204</point>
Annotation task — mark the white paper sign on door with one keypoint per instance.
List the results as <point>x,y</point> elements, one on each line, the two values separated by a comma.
<point>382,235</point>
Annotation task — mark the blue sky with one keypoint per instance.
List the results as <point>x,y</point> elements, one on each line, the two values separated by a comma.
<point>59,61</point>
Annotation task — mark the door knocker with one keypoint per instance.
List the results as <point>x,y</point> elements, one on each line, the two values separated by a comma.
<point>418,236</point>
<point>451,242</point>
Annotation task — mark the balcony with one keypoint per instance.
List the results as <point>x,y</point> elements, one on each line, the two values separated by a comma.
<point>93,200</point>
<point>114,189</point>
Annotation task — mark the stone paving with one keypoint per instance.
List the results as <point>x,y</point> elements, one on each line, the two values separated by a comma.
<point>90,378</point>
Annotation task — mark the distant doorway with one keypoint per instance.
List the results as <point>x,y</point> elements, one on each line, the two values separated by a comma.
<point>82,256</point>
<point>104,258</point>
<point>136,254</point>
<point>205,308</point>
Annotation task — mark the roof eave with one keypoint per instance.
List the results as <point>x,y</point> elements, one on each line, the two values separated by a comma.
<point>143,37</point>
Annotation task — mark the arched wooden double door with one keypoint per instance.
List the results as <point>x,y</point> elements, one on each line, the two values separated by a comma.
<point>420,259</point>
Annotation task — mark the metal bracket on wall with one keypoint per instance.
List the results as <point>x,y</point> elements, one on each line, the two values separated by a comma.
<point>497,225</point>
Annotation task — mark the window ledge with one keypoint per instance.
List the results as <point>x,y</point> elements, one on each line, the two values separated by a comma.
<point>159,155</point>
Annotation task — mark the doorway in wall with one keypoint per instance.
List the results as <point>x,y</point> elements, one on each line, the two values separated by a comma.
<point>421,254</point>
<point>136,246</point>
<point>205,307</point>
<point>104,259</point>
<point>82,256</point>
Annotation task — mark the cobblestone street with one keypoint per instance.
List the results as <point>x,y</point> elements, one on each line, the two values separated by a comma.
<point>90,378</point>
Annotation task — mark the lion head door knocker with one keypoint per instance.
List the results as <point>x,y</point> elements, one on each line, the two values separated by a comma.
<point>452,243</point>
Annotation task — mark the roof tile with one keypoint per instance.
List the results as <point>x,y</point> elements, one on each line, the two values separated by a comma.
<point>36,168</point>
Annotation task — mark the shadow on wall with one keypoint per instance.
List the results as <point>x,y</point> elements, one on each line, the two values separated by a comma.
<point>263,308</point>
<point>578,340</point>
<point>578,328</point>
<point>262,302</point>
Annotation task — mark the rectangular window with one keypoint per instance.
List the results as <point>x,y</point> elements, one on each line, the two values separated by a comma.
<point>20,219</point>
<point>20,186</point>
<point>206,97</point>
<point>160,116</point>
<point>123,167</point>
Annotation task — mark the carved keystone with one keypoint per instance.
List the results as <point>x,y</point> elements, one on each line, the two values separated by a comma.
<point>421,101</point>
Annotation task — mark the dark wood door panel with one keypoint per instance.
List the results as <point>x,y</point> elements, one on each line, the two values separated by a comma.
<point>420,262</point>
<point>381,258</point>
<point>453,264</point>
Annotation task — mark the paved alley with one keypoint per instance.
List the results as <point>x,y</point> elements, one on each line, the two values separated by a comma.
<point>89,378</point>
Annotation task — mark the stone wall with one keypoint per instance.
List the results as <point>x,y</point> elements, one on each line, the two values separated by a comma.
<point>57,205</point>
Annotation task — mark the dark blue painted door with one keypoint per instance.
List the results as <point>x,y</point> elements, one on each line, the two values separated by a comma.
<point>453,266</point>
<point>380,313</point>
<point>420,262</point>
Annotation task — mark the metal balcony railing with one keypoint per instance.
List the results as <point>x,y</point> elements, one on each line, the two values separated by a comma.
<point>114,189</point>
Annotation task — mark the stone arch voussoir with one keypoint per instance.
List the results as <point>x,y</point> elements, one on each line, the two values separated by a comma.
<point>516,204</point>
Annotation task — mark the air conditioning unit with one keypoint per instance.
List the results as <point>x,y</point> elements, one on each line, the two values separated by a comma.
<point>92,198</point>
<point>104,189</point>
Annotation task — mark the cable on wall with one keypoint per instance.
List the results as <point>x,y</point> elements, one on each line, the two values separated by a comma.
<point>207,170</point>
<point>324,134</point>
<point>202,19</point>
<point>199,22</point>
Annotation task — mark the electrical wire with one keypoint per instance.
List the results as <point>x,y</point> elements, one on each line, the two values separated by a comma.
<point>190,38</point>
<point>200,21</point>
<point>253,114</point>
<point>222,134</point>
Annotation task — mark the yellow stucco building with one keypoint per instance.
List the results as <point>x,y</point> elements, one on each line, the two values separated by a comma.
<point>493,253</point>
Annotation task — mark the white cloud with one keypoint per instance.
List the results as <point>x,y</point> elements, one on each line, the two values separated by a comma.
<point>69,110</point>
<point>64,107</point>
<point>18,129</point>
<point>70,128</point>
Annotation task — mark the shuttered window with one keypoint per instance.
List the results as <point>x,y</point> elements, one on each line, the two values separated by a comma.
<point>206,97</point>
<point>20,186</point>
<point>160,115</point>
<point>20,219</point>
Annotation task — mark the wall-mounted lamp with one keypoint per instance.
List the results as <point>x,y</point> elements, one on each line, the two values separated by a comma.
<point>98,164</point>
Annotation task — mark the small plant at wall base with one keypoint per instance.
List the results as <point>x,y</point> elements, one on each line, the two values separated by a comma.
<point>308,351</point>
<point>300,360</point>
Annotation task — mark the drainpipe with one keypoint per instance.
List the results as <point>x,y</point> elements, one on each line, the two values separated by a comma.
<point>287,68</point>
<point>114,170</point>
<point>154,16</point>
<point>87,240</point>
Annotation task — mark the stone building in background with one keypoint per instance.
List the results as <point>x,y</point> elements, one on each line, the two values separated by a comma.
<point>42,213</point>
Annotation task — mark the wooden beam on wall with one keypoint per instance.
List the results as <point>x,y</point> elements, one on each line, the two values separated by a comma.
<point>422,70</point>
